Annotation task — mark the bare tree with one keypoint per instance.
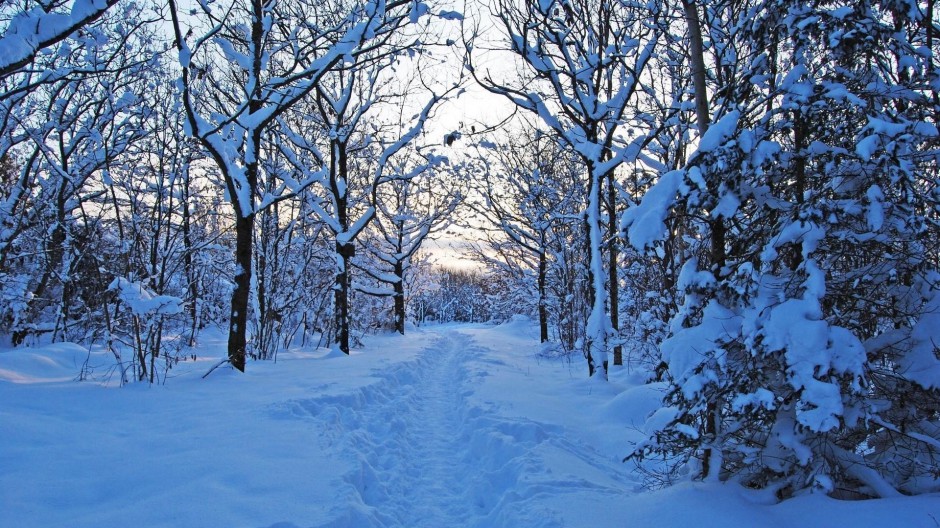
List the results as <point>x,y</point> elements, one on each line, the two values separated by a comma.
<point>66,135</point>
<point>581,67</point>
<point>362,116</point>
<point>418,202</point>
<point>524,193</point>
<point>250,64</point>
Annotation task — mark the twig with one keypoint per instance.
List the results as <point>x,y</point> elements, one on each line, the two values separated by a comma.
<point>217,365</point>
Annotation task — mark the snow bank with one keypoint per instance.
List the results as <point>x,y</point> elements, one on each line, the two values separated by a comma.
<point>53,363</point>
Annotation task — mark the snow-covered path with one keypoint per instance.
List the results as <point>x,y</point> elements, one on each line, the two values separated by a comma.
<point>461,426</point>
<point>429,448</point>
<point>425,456</point>
<point>426,476</point>
<point>405,432</point>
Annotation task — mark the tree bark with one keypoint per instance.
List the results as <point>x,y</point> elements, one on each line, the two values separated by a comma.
<point>189,264</point>
<point>612,266</point>
<point>543,295</point>
<point>238,329</point>
<point>245,214</point>
<point>341,298</point>
<point>344,249</point>
<point>399,297</point>
<point>697,58</point>
<point>710,459</point>
<point>596,339</point>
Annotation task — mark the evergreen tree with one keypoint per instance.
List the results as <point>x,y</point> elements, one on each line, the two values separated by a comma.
<point>784,354</point>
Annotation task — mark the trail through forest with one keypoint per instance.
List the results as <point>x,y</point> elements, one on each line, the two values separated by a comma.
<point>430,461</point>
<point>428,456</point>
<point>406,433</point>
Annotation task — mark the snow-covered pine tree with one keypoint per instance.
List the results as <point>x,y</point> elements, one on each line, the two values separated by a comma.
<point>808,360</point>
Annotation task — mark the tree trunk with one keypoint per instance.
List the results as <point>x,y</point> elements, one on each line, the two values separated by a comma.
<point>399,297</point>
<point>598,322</point>
<point>261,285</point>
<point>189,264</point>
<point>929,27</point>
<point>344,248</point>
<point>241,297</point>
<point>795,256</point>
<point>341,297</point>
<point>612,266</point>
<point>711,461</point>
<point>543,295</point>
<point>697,57</point>
<point>138,344</point>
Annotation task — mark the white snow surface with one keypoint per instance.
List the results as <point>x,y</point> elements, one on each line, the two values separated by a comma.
<point>449,426</point>
<point>142,301</point>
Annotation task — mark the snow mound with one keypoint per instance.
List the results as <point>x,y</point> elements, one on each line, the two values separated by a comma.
<point>51,363</point>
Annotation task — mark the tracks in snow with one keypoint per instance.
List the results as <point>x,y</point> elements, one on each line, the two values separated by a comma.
<point>431,481</point>
<point>424,457</point>
<point>407,433</point>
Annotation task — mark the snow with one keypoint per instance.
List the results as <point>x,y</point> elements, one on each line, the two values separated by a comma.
<point>728,204</point>
<point>645,222</point>
<point>719,132</point>
<point>761,398</point>
<point>242,60</point>
<point>921,364</point>
<point>30,31</point>
<point>686,351</point>
<point>867,147</point>
<point>841,12</point>
<point>450,15</point>
<point>458,425</point>
<point>142,301</point>
<point>875,215</point>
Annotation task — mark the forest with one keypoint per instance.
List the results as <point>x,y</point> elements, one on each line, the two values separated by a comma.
<point>738,198</point>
